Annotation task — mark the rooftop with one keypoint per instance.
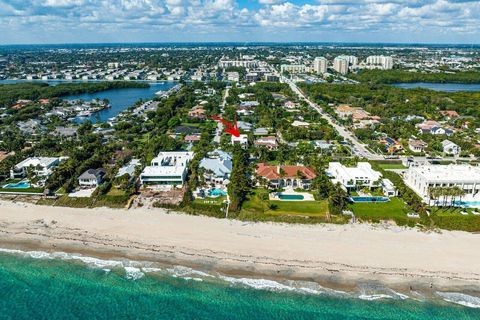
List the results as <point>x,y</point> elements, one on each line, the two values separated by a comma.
<point>451,173</point>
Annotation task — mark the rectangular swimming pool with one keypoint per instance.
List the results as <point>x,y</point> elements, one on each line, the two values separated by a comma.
<point>369,199</point>
<point>290,196</point>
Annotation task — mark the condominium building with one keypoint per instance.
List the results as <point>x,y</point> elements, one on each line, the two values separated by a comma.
<point>167,168</point>
<point>340,65</point>
<point>238,63</point>
<point>294,68</point>
<point>422,178</point>
<point>320,65</point>
<point>381,62</point>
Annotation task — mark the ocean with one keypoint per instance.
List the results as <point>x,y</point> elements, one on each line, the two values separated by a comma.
<point>40,285</point>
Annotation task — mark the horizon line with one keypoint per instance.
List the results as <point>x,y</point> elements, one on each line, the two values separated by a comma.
<point>244,43</point>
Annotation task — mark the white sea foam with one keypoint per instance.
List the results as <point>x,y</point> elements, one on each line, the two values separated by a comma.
<point>133,273</point>
<point>460,298</point>
<point>183,272</point>
<point>151,270</point>
<point>371,297</point>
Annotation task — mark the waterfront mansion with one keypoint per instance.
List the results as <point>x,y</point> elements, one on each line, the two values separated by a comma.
<point>167,168</point>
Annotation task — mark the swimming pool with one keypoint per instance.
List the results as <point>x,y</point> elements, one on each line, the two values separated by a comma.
<point>290,196</point>
<point>216,192</point>
<point>369,199</point>
<point>18,185</point>
<point>467,204</point>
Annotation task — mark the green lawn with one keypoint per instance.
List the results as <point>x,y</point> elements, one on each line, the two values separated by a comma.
<point>451,219</point>
<point>395,209</point>
<point>258,204</point>
<point>210,201</point>
<point>27,190</point>
<point>387,166</point>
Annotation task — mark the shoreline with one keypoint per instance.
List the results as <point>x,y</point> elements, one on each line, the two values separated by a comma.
<point>336,256</point>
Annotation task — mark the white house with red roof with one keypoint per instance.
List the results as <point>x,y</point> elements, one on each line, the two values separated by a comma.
<point>286,176</point>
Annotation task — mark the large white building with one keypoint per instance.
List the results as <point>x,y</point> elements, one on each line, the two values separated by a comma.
<point>320,65</point>
<point>340,65</point>
<point>39,166</point>
<point>167,168</point>
<point>421,178</point>
<point>352,178</point>
<point>238,63</point>
<point>380,62</point>
<point>294,68</point>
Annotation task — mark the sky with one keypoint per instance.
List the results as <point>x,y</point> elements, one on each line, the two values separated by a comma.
<point>101,21</point>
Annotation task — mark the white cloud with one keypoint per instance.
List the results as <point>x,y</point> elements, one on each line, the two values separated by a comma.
<point>229,16</point>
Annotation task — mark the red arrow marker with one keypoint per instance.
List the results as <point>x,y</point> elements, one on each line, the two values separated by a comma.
<point>229,128</point>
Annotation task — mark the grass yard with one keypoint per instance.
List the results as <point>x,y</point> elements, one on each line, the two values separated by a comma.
<point>387,166</point>
<point>302,208</point>
<point>395,210</point>
<point>451,219</point>
<point>26,190</point>
<point>258,207</point>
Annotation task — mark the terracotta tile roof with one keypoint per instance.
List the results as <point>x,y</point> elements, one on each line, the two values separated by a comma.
<point>273,172</point>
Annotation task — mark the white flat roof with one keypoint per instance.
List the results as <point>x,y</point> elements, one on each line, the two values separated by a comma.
<point>163,171</point>
<point>363,170</point>
<point>452,172</point>
<point>35,161</point>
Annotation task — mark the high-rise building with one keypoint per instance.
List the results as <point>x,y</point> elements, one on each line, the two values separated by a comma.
<point>320,65</point>
<point>352,60</point>
<point>382,62</point>
<point>340,65</point>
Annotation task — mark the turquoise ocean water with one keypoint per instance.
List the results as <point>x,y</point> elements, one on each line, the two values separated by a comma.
<point>60,286</point>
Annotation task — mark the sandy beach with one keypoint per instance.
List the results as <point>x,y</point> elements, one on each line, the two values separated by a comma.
<point>339,254</point>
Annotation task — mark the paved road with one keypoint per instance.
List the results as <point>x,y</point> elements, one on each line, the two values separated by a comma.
<point>357,147</point>
<point>218,132</point>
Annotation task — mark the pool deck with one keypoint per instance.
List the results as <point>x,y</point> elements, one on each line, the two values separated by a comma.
<point>306,196</point>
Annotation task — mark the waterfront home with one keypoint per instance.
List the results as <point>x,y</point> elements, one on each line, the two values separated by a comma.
<point>167,168</point>
<point>269,142</point>
<point>416,145</point>
<point>39,166</point>
<point>450,148</point>
<point>354,178</point>
<point>279,176</point>
<point>422,179</point>
<point>91,178</point>
<point>217,167</point>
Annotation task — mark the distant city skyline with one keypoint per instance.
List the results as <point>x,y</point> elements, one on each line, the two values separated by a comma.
<point>369,21</point>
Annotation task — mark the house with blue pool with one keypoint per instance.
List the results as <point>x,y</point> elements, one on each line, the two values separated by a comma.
<point>217,167</point>
<point>39,166</point>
